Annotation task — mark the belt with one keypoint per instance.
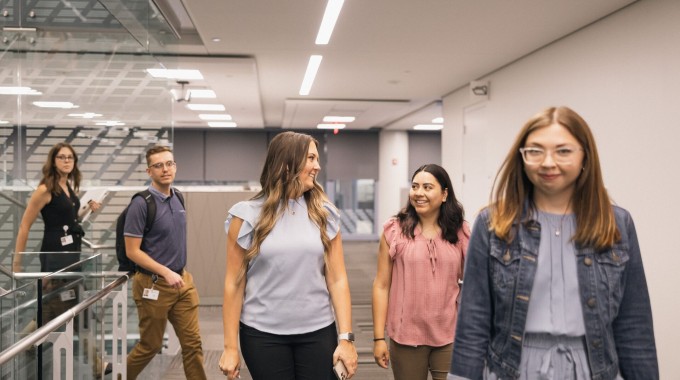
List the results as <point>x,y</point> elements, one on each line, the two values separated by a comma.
<point>150,273</point>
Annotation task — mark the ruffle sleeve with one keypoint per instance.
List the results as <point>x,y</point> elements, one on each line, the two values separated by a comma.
<point>333,223</point>
<point>392,233</point>
<point>248,211</point>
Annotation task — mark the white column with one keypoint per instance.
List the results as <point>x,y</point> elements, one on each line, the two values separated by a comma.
<point>394,177</point>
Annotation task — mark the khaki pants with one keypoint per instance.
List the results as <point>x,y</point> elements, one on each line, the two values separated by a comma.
<point>413,363</point>
<point>180,307</point>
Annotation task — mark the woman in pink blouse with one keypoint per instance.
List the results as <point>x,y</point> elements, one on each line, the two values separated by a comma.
<point>416,289</point>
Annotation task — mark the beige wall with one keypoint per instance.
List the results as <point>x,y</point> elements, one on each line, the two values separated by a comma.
<point>206,240</point>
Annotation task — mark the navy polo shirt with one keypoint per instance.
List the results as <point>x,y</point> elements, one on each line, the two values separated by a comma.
<point>166,242</point>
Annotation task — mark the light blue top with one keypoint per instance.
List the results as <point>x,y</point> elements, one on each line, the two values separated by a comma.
<point>555,304</point>
<point>286,289</point>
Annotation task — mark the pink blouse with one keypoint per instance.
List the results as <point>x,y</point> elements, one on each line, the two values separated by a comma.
<point>422,307</point>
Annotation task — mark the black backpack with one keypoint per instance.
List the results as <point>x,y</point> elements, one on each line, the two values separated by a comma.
<point>124,263</point>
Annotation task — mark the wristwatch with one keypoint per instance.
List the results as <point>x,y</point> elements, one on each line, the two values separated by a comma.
<point>346,336</point>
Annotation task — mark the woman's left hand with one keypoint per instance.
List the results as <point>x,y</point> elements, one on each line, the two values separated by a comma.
<point>348,354</point>
<point>94,205</point>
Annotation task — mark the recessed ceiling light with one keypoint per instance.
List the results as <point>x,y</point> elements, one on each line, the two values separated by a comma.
<point>222,124</point>
<point>216,39</point>
<point>206,107</point>
<point>330,17</point>
<point>179,74</point>
<point>330,126</point>
<point>4,122</point>
<point>202,94</point>
<point>438,120</point>
<point>310,74</point>
<point>86,115</point>
<point>208,116</point>
<point>428,127</point>
<point>338,119</point>
<point>4,90</point>
<point>64,105</point>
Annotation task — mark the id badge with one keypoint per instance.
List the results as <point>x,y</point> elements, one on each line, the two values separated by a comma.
<point>67,295</point>
<point>66,240</point>
<point>150,294</point>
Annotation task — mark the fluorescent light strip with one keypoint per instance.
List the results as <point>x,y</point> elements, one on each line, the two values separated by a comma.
<point>206,107</point>
<point>110,123</point>
<point>175,73</point>
<point>202,94</point>
<point>86,115</point>
<point>438,120</point>
<point>338,119</point>
<point>64,105</point>
<point>310,74</point>
<point>330,17</point>
<point>428,127</point>
<point>222,124</point>
<point>209,116</point>
<point>330,126</point>
<point>4,122</point>
<point>4,90</point>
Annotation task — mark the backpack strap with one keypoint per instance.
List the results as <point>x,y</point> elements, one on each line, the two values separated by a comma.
<point>150,208</point>
<point>180,196</point>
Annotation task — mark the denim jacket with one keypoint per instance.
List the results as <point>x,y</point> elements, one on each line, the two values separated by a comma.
<point>497,291</point>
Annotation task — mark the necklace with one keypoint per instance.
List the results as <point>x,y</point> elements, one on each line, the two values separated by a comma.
<point>556,222</point>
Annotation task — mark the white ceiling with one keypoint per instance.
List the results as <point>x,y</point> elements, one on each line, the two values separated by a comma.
<point>388,63</point>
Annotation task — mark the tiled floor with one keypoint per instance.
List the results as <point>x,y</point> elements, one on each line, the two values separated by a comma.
<point>360,261</point>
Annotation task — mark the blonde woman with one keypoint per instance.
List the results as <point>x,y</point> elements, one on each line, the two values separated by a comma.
<point>286,294</point>
<point>554,282</point>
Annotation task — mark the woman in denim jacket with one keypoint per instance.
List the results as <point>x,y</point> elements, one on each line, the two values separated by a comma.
<point>554,282</point>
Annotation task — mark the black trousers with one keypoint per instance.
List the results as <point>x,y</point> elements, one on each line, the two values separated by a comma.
<point>289,357</point>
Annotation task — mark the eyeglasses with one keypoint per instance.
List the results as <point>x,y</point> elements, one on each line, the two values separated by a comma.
<point>562,155</point>
<point>61,157</point>
<point>161,165</point>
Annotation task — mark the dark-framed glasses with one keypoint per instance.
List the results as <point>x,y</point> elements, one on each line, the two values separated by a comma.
<point>533,155</point>
<point>64,158</point>
<point>161,165</point>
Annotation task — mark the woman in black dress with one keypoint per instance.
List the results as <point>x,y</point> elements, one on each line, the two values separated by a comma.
<point>57,201</point>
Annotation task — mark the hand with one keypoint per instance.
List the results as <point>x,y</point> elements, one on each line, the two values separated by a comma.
<point>173,279</point>
<point>381,354</point>
<point>94,205</point>
<point>348,354</point>
<point>230,364</point>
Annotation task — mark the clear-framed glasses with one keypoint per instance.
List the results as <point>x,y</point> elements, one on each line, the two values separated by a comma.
<point>64,158</point>
<point>161,165</point>
<point>563,155</point>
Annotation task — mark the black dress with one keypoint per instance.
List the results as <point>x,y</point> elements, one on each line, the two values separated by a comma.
<point>61,211</point>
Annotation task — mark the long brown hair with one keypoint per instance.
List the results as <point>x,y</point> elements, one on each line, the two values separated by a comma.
<point>50,174</point>
<point>595,222</point>
<point>280,180</point>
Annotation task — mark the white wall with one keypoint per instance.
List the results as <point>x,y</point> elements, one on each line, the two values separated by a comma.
<point>394,177</point>
<point>622,75</point>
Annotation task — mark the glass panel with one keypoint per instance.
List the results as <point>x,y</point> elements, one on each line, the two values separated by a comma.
<point>18,309</point>
<point>62,290</point>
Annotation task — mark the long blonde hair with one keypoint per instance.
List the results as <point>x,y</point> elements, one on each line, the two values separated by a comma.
<point>280,180</point>
<point>595,222</point>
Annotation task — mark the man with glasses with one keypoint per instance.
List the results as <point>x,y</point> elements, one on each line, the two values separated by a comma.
<point>162,288</point>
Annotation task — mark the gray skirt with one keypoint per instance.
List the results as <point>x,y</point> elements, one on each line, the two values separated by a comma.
<point>550,357</point>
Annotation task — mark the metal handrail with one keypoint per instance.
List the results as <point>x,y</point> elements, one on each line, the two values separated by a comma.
<point>51,326</point>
